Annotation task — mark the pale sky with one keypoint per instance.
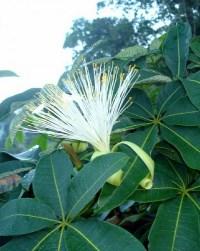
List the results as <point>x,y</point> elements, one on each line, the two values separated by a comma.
<point>32,33</point>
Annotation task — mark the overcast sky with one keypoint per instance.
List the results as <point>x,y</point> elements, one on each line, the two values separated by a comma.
<point>32,33</point>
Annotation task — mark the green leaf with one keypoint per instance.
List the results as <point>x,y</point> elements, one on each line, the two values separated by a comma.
<point>141,108</point>
<point>30,156</point>
<point>27,180</point>
<point>164,186</point>
<point>24,243</point>
<point>5,106</point>
<point>194,59</point>
<point>150,76</point>
<point>23,216</point>
<point>91,178</point>
<point>132,53</point>
<point>195,186</point>
<point>6,73</point>
<point>169,151</point>
<point>135,171</point>
<point>13,167</point>
<point>195,45</point>
<point>176,48</point>
<point>155,44</point>
<point>169,94</point>
<point>192,87</point>
<point>50,240</point>
<point>52,177</point>
<point>183,113</point>
<point>186,140</point>
<point>94,235</point>
<point>53,240</point>
<point>176,227</point>
<point>193,66</point>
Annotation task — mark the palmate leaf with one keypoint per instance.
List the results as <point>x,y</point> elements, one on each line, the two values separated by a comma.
<point>94,235</point>
<point>52,177</point>
<point>90,179</point>
<point>183,113</point>
<point>81,235</point>
<point>176,227</point>
<point>25,216</point>
<point>176,48</point>
<point>186,140</point>
<point>134,172</point>
<point>174,109</point>
<point>176,119</point>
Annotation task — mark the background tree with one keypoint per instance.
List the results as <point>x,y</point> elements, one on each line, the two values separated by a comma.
<point>170,10</point>
<point>137,25</point>
<point>113,34</point>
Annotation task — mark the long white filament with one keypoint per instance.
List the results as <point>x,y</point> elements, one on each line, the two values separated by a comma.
<point>90,110</point>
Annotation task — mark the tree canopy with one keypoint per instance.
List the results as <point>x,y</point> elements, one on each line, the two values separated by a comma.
<point>113,34</point>
<point>136,26</point>
<point>171,10</point>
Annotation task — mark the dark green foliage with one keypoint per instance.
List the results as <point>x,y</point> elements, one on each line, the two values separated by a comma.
<point>111,34</point>
<point>171,10</point>
<point>66,231</point>
<point>73,209</point>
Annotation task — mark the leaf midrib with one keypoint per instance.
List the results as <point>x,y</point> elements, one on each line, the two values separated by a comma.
<point>178,52</point>
<point>167,99</point>
<point>84,237</point>
<point>179,113</point>
<point>144,109</point>
<point>31,216</point>
<point>91,188</point>
<point>183,139</point>
<point>177,223</point>
<point>57,190</point>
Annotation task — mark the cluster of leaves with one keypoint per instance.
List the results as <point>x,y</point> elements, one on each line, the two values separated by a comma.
<point>62,202</point>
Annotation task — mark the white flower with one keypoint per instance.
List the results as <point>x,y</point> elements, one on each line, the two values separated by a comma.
<point>87,112</point>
